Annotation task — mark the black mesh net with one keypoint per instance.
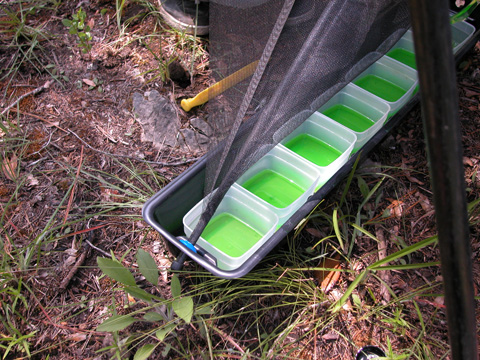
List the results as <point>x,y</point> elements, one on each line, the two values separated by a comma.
<point>305,51</point>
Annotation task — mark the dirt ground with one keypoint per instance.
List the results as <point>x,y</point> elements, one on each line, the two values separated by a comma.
<point>87,122</point>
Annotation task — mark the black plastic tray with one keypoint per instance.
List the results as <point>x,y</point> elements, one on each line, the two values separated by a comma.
<point>166,209</point>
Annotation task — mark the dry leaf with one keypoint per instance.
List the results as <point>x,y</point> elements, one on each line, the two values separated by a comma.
<point>89,82</point>
<point>72,257</point>
<point>471,93</point>
<point>9,168</point>
<point>109,195</point>
<point>77,337</point>
<point>328,278</point>
<point>330,336</point>
<point>424,202</point>
<point>164,265</point>
<point>52,123</point>
<point>440,300</point>
<point>413,179</point>
<point>32,181</point>
<point>396,207</point>
<point>467,161</point>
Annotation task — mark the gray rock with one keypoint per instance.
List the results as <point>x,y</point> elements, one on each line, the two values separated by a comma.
<point>202,126</point>
<point>161,124</point>
<point>158,118</point>
<point>193,141</point>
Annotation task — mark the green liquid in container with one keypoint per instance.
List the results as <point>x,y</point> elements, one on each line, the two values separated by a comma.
<point>349,117</point>
<point>381,87</point>
<point>274,188</point>
<point>404,56</point>
<point>313,149</point>
<point>230,235</point>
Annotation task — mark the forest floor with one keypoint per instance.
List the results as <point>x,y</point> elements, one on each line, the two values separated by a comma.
<point>75,166</point>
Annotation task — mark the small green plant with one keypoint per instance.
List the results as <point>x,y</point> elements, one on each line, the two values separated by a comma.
<point>119,5</point>
<point>56,73</point>
<point>78,26</point>
<point>170,313</point>
<point>96,83</point>
<point>396,321</point>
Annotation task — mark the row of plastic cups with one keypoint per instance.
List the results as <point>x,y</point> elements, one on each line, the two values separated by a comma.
<point>300,164</point>
<point>254,207</point>
<point>365,104</point>
<point>270,191</point>
<point>394,78</point>
<point>281,181</point>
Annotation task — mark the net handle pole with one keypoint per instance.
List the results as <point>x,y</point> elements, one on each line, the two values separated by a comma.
<point>439,100</point>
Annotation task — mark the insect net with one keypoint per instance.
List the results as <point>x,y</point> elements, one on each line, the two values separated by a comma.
<point>303,52</point>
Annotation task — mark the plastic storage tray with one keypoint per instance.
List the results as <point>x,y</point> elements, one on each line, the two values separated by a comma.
<point>183,197</point>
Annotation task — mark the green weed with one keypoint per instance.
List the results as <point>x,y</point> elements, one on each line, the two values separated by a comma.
<point>78,26</point>
<point>170,313</point>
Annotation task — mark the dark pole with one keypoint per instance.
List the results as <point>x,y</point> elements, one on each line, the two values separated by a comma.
<point>439,100</point>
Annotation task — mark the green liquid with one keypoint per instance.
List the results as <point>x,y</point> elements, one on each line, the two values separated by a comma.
<point>349,117</point>
<point>404,56</point>
<point>313,149</point>
<point>274,188</point>
<point>230,235</point>
<point>381,87</point>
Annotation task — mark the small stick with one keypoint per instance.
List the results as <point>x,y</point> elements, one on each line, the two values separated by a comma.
<point>382,254</point>
<point>98,249</point>
<point>40,118</point>
<point>33,92</point>
<point>229,339</point>
<point>70,199</point>
<point>73,270</point>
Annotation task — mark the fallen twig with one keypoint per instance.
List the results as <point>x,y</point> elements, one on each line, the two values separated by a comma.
<point>81,258</point>
<point>98,249</point>
<point>229,339</point>
<point>40,118</point>
<point>382,254</point>
<point>131,157</point>
<point>70,199</point>
<point>33,92</point>
<point>73,270</point>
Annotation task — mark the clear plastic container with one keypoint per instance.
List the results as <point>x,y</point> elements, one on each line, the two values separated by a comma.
<point>281,181</point>
<point>359,111</point>
<point>404,51</point>
<point>324,143</point>
<point>389,81</point>
<point>240,226</point>
<point>461,32</point>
